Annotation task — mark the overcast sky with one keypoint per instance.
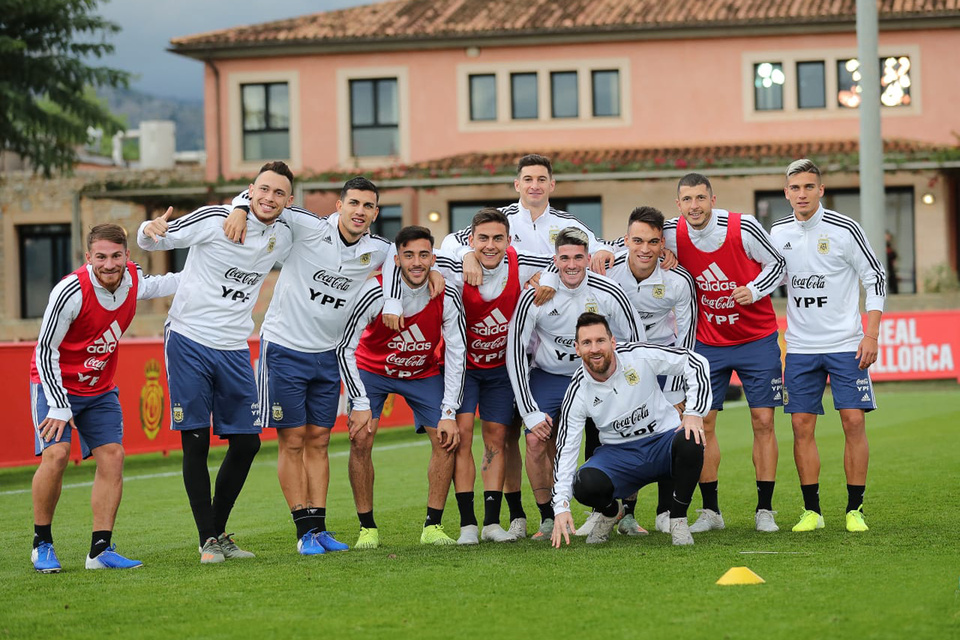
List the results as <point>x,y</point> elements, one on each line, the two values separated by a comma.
<point>141,47</point>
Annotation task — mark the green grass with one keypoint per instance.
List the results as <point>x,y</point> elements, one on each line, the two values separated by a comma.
<point>898,580</point>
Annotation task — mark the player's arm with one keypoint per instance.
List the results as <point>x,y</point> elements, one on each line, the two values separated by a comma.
<point>691,366</point>
<point>156,286</point>
<point>685,312</point>
<point>534,270</point>
<point>369,305</point>
<point>758,246</point>
<point>454,370</point>
<point>569,435</point>
<point>623,318</point>
<point>874,279</point>
<point>519,335</point>
<point>197,227</point>
<point>63,307</point>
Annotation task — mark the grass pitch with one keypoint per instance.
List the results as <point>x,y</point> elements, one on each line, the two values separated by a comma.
<point>898,580</point>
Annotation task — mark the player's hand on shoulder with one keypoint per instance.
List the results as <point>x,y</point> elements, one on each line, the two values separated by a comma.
<point>436,283</point>
<point>668,259</point>
<point>235,226</point>
<point>601,261</point>
<point>544,293</point>
<point>392,322</point>
<point>472,271</point>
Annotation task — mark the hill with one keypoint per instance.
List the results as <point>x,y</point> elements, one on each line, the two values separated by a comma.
<point>135,106</point>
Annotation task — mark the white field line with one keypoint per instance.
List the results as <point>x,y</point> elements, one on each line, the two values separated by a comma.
<point>177,474</point>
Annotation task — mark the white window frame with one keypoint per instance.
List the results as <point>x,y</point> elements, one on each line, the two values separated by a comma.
<point>830,58</point>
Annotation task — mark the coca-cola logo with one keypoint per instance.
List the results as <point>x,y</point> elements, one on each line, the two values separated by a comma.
<point>481,345</point>
<point>726,302</point>
<point>623,424</point>
<point>815,281</point>
<point>340,283</point>
<point>95,364</point>
<point>566,342</point>
<point>242,277</point>
<point>408,361</point>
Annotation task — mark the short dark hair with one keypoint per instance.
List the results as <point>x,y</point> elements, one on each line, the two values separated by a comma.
<point>534,160</point>
<point>109,232</point>
<point>280,168</point>
<point>802,166</point>
<point>588,319</point>
<point>489,214</point>
<point>647,215</point>
<point>694,180</point>
<point>359,183</point>
<point>572,235</point>
<point>410,233</point>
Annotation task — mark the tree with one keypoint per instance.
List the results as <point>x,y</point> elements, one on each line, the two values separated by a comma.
<point>45,77</point>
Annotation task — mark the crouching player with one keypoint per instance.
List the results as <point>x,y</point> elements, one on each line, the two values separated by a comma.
<point>642,439</point>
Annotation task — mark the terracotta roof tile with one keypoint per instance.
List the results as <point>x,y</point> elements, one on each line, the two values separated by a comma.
<point>418,20</point>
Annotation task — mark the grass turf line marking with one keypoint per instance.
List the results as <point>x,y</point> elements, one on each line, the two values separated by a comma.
<point>175,474</point>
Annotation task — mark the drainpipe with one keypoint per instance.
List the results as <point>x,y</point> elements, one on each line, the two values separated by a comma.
<point>219,154</point>
<point>76,231</point>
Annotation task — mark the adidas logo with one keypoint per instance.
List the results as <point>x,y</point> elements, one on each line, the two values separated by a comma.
<point>555,312</point>
<point>107,343</point>
<point>596,401</point>
<point>516,239</point>
<point>490,499</point>
<point>494,324</point>
<point>311,511</point>
<point>778,396</point>
<point>328,240</point>
<point>714,279</point>
<point>410,339</point>
<point>787,246</point>
<point>865,398</point>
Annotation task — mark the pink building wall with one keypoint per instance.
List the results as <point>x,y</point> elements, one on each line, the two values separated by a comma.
<point>682,92</point>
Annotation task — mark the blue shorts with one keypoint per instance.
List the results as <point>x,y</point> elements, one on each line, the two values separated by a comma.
<point>491,390</point>
<point>99,419</point>
<point>805,378</point>
<point>633,465</point>
<point>207,382</point>
<point>423,396</point>
<point>548,390</point>
<point>758,365</point>
<point>297,387</point>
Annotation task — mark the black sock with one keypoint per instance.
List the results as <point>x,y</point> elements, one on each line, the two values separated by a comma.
<point>196,480</point>
<point>465,505</point>
<point>546,511</point>
<point>515,504</point>
<point>855,496</point>
<point>811,496</point>
<point>434,516</point>
<point>42,533</point>
<point>765,494</point>
<point>318,518</point>
<point>303,522</point>
<point>611,510</point>
<point>664,495</point>
<point>99,542</point>
<point>366,519</point>
<point>629,506</point>
<point>491,507</point>
<point>708,491</point>
<point>233,472</point>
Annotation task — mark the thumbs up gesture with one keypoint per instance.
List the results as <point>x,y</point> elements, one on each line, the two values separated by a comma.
<point>157,227</point>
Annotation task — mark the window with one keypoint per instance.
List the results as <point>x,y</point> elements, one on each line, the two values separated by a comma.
<point>461,213</point>
<point>483,97</point>
<point>44,259</point>
<point>895,82</point>
<point>606,93</point>
<point>374,117</point>
<point>587,210</point>
<point>811,85</point>
<point>523,96</point>
<point>768,82</point>
<point>388,222</point>
<point>266,121</point>
<point>564,94</point>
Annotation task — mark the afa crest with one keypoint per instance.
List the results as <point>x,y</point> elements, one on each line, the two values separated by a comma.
<point>786,398</point>
<point>823,245</point>
<point>591,307</point>
<point>177,413</point>
<point>151,400</point>
<point>554,232</point>
<point>659,291</point>
<point>365,258</point>
<point>631,376</point>
<point>276,411</point>
<point>271,244</point>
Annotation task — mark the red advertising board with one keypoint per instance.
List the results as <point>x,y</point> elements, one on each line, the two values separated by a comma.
<point>143,398</point>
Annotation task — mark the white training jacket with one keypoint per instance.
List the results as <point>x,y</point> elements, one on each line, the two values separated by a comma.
<point>368,309</point>
<point>627,407</point>
<point>548,333</point>
<point>63,307</point>
<point>221,280</point>
<point>827,257</point>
